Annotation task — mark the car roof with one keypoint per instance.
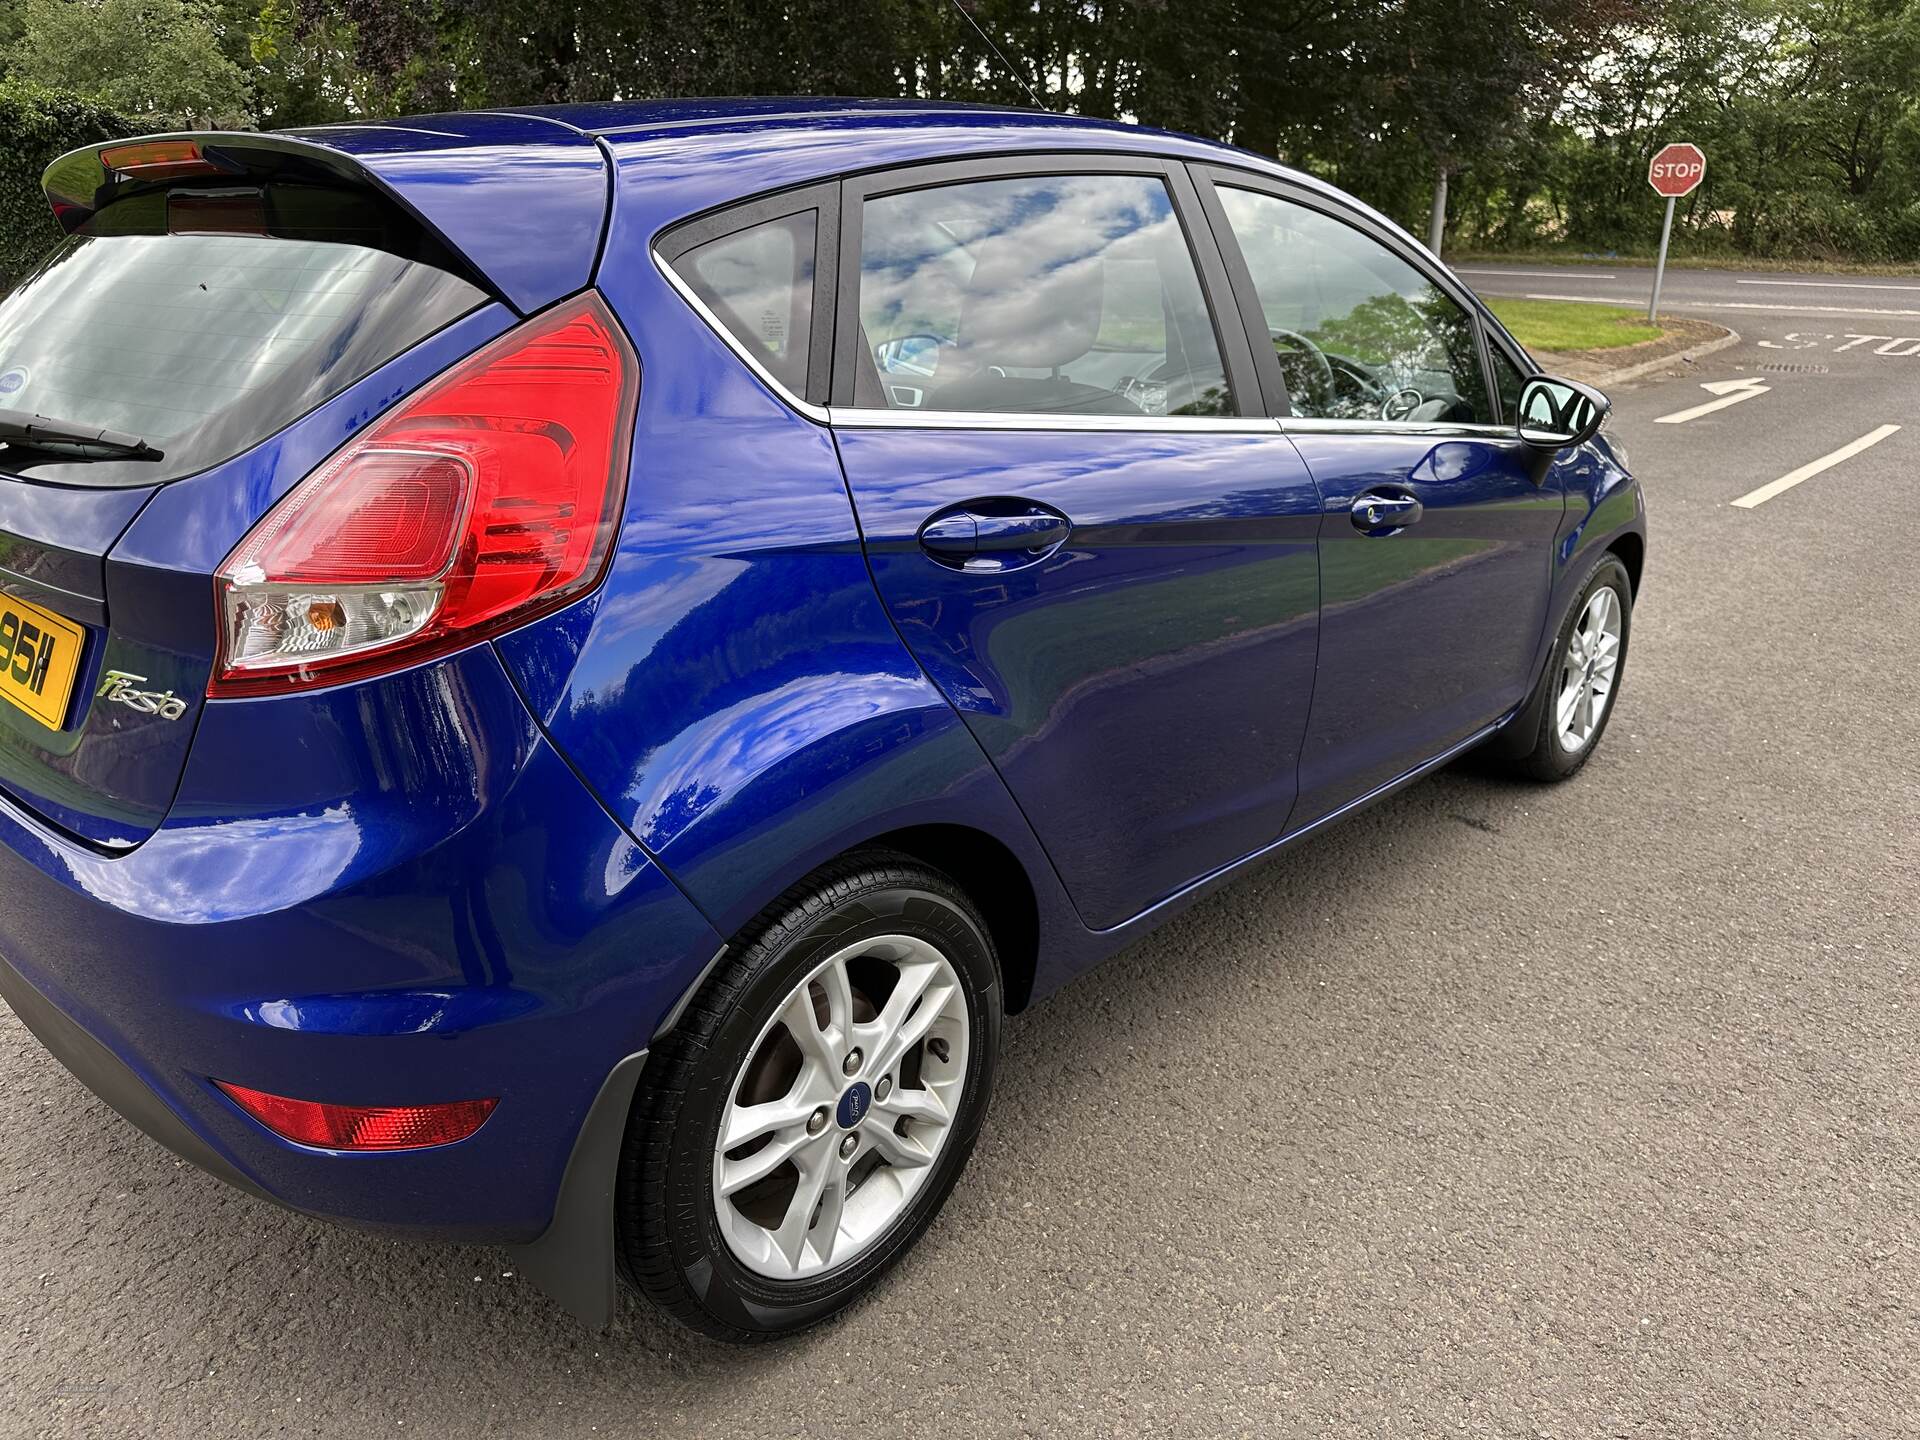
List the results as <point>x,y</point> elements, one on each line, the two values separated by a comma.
<point>623,117</point>
<point>676,158</point>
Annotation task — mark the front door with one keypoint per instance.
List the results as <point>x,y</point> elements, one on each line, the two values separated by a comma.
<point>1438,524</point>
<point>1108,569</point>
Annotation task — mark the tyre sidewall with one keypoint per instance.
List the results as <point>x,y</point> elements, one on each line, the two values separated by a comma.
<point>732,1294</point>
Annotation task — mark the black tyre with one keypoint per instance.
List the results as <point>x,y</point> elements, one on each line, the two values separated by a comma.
<point>847,1043</point>
<point>1574,700</point>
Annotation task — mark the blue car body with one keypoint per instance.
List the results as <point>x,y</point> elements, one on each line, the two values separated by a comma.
<point>502,871</point>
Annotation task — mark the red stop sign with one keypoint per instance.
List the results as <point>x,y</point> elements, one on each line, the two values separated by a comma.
<point>1677,170</point>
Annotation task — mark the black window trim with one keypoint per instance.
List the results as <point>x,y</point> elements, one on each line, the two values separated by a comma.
<point>1273,388</point>
<point>822,198</point>
<point>1236,353</point>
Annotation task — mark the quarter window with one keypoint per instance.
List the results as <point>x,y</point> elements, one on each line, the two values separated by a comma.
<point>759,283</point>
<point>1508,380</point>
<point>1361,334</point>
<point>1049,294</point>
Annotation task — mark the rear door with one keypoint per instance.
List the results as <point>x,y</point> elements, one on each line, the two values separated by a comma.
<point>1438,527</point>
<point>1074,511</point>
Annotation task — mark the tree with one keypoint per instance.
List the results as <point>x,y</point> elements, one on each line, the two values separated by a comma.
<point>160,63</point>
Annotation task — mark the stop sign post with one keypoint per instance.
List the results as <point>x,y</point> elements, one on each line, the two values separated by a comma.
<point>1677,170</point>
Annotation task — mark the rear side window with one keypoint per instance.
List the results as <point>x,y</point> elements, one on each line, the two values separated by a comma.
<point>758,282</point>
<point>1039,294</point>
<point>202,321</point>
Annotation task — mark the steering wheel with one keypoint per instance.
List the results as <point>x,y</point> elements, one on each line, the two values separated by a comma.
<point>1314,356</point>
<point>1402,405</point>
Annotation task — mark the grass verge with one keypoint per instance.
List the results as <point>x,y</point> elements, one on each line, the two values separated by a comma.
<point>1566,325</point>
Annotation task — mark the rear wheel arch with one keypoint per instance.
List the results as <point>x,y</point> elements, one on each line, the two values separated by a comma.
<point>995,881</point>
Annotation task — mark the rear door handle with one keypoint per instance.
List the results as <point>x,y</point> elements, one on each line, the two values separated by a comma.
<point>1031,530</point>
<point>1378,513</point>
<point>957,533</point>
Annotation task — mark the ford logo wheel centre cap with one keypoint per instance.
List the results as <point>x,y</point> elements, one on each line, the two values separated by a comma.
<point>854,1105</point>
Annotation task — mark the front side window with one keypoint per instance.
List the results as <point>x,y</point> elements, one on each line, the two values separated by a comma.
<point>759,284</point>
<point>1361,334</point>
<point>1045,294</point>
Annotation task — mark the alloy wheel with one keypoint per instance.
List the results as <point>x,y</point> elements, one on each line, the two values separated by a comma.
<point>842,1105</point>
<point>1587,672</point>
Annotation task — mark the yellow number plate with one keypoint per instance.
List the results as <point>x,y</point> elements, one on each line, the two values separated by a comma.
<point>39,658</point>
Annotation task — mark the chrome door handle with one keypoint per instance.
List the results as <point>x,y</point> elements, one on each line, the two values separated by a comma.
<point>957,533</point>
<point>1378,513</point>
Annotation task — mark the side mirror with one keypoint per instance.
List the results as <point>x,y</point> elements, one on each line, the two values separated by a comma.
<point>907,355</point>
<point>1558,414</point>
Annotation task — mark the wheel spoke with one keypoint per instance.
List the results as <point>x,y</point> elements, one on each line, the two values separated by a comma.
<point>750,1122</point>
<point>903,1153</point>
<point>791,1237</point>
<point>737,1175</point>
<point>818,1049</point>
<point>833,1204</point>
<point>839,992</point>
<point>910,1029</point>
<point>1570,703</point>
<point>921,1105</point>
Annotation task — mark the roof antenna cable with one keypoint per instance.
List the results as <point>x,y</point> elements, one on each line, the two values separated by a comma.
<point>1018,78</point>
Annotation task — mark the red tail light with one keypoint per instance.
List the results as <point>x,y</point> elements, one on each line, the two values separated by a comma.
<point>486,500</point>
<point>361,1127</point>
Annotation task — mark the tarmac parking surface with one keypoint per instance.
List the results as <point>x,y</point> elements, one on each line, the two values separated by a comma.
<point>1580,1111</point>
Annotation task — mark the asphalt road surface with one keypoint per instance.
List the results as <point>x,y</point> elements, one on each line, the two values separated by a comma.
<point>1586,1111</point>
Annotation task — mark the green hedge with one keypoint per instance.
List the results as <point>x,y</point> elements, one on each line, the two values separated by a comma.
<point>37,127</point>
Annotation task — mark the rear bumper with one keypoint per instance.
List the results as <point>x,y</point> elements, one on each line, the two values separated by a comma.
<point>391,893</point>
<point>113,1080</point>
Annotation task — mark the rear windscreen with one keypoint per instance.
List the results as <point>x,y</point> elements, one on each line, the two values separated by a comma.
<point>204,320</point>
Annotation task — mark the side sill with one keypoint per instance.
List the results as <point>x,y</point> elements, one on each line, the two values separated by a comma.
<point>1192,892</point>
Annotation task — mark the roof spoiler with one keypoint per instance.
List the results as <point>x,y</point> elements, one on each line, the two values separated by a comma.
<point>521,199</point>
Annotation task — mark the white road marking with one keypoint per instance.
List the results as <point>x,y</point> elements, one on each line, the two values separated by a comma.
<point>1754,499</point>
<point>1548,274</point>
<point>1827,284</point>
<point>1733,305</point>
<point>1731,392</point>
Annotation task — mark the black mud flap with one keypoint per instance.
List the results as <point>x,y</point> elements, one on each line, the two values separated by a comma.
<point>573,1260</point>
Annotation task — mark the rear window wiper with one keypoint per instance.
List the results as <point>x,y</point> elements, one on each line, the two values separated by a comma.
<point>37,432</point>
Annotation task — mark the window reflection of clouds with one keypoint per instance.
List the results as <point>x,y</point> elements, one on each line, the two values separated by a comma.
<point>230,868</point>
<point>1048,294</point>
<point>918,249</point>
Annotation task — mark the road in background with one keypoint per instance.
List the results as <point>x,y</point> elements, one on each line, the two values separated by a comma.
<point>1725,295</point>
<point>1582,1111</point>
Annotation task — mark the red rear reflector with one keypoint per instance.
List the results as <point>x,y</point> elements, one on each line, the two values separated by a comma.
<point>361,1127</point>
<point>486,500</point>
<point>158,160</point>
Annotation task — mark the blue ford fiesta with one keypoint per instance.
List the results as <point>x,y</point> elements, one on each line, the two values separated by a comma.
<point>564,670</point>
